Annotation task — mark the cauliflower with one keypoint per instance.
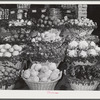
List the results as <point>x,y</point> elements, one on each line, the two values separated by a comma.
<point>92,44</point>
<point>83,44</point>
<point>97,49</point>
<point>83,54</point>
<point>72,53</point>
<point>73,44</point>
<point>93,52</point>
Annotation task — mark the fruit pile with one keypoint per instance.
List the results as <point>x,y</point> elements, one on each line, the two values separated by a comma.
<point>20,22</point>
<point>50,36</point>
<point>82,22</point>
<point>7,50</point>
<point>42,72</point>
<point>9,73</point>
<point>46,22</point>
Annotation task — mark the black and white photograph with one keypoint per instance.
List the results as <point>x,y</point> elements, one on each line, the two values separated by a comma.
<point>52,47</point>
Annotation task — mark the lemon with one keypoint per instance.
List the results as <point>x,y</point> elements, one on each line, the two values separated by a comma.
<point>11,49</point>
<point>1,46</point>
<point>7,46</point>
<point>3,50</point>
<point>16,47</point>
<point>15,53</point>
<point>7,54</point>
<point>20,48</point>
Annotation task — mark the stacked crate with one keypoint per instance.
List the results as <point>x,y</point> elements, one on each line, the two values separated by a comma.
<point>82,10</point>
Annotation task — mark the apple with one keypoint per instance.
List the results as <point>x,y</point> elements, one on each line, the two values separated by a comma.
<point>48,73</point>
<point>37,67</point>
<point>56,71</point>
<point>44,68</point>
<point>32,67</point>
<point>52,66</point>
<point>26,73</point>
<point>33,72</point>
<point>53,76</point>
<point>44,79</point>
<point>41,75</point>
<point>33,79</point>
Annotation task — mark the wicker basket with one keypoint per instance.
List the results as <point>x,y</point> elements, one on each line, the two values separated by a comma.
<point>80,32</point>
<point>79,86</point>
<point>42,85</point>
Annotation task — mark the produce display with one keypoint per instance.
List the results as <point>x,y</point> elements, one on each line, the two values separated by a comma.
<point>46,23</point>
<point>82,57</point>
<point>45,42</point>
<point>20,23</point>
<point>7,50</point>
<point>10,65</point>
<point>81,26</point>
<point>47,46</point>
<point>83,51</point>
<point>40,73</point>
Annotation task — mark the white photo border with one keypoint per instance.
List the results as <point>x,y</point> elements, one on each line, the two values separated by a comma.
<point>48,94</point>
